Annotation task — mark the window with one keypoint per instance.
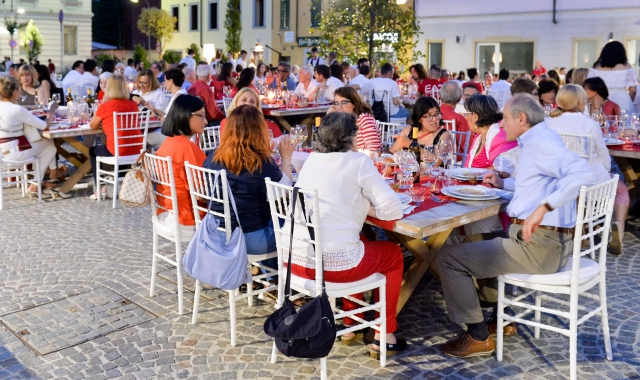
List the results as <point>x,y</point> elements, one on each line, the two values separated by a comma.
<point>70,40</point>
<point>175,13</point>
<point>285,14</point>
<point>258,13</point>
<point>435,54</point>
<point>316,13</point>
<point>586,53</point>
<point>193,17</point>
<point>213,15</point>
<point>515,56</point>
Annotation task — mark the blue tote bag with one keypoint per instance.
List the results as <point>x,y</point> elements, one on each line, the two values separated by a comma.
<point>214,261</point>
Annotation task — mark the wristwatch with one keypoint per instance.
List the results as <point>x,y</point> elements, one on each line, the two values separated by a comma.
<point>546,204</point>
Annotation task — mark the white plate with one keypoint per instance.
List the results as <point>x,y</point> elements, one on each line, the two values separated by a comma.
<point>469,191</point>
<point>465,172</point>
<point>404,198</point>
<point>445,192</point>
<point>613,142</point>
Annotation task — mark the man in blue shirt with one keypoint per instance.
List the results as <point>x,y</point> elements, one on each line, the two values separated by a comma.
<point>539,239</point>
<point>282,78</point>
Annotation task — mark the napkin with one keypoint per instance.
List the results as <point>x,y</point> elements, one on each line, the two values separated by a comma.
<point>407,209</point>
<point>504,194</point>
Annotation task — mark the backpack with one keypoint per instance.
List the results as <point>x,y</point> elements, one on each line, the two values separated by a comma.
<point>377,108</point>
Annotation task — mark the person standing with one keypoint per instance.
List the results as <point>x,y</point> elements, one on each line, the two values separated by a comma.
<point>189,60</point>
<point>130,70</point>
<point>474,79</point>
<point>315,59</point>
<point>386,89</point>
<point>538,69</point>
<point>242,60</point>
<point>333,59</point>
<point>52,67</point>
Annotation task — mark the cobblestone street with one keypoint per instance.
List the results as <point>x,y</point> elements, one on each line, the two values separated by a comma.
<point>74,304</point>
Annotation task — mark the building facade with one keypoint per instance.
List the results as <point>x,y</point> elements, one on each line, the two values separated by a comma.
<point>65,45</point>
<point>490,35</point>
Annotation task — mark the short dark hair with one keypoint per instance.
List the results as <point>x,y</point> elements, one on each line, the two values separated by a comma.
<point>177,121</point>
<point>245,78</point>
<point>77,64</point>
<point>597,85</point>
<point>612,54</point>
<point>345,65</point>
<point>16,66</point>
<point>468,85</point>
<point>504,74</point>
<point>182,65</point>
<point>568,76</point>
<point>137,62</point>
<point>324,71</point>
<point>472,73</point>
<point>130,61</point>
<point>238,68</point>
<point>523,85</point>
<point>420,70</point>
<point>485,107</point>
<point>90,65</point>
<point>547,85</point>
<point>190,51</point>
<point>176,75</point>
<point>365,69</point>
<point>243,52</point>
<point>314,49</point>
<point>421,108</point>
<point>386,69</point>
<point>337,132</point>
<point>361,61</point>
<point>109,65</point>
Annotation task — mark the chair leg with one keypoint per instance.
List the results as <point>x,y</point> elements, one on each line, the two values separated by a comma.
<point>382,299</point>
<point>500,322</point>
<point>332,301</point>
<point>116,174</point>
<point>274,353</point>
<point>1,187</point>
<point>25,181</point>
<point>180,279</point>
<point>537,315</point>
<point>196,303</point>
<point>154,263</point>
<point>38,180</point>
<point>97,188</point>
<point>514,290</point>
<point>604,317</point>
<point>232,316</point>
<point>323,368</point>
<point>250,289</point>
<point>573,331</point>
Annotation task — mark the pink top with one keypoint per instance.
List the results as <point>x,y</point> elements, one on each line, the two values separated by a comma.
<point>498,144</point>
<point>481,160</point>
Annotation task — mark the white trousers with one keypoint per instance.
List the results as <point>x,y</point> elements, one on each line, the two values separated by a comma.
<point>43,149</point>
<point>155,138</point>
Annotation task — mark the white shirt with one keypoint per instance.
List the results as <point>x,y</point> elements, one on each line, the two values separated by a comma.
<point>242,62</point>
<point>330,88</point>
<point>300,90</point>
<point>365,84</point>
<point>315,61</point>
<point>347,183</point>
<point>386,89</point>
<point>233,61</point>
<point>87,79</point>
<point>548,171</point>
<point>8,64</point>
<point>130,72</point>
<point>180,92</point>
<point>156,98</point>
<point>501,85</point>
<point>71,78</point>
<point>576,123</point>
<point>191,63</point>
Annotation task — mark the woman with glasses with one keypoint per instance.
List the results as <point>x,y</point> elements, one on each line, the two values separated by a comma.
<point>346,99</point>
<point>187,118</point>
<point>427,117</point>
<point>249,96</point>
<point>148,90</point>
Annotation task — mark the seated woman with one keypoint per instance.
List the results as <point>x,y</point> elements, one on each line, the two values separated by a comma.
<point>44,77</point>
<point>173,80</point>
<point>149,95</point>
<point>245,79</point>
<point>547,90</point>
<point>246,132</point>
<point>427,116</point>
<point>598,97</point>
<point>187,118</point>
<point>14,145</point>
<point>347,100</point>
<point>103,84</point>
<point>30,88</point>
<point>116,99</point>
<point>350,188</point>
<point>570,119</point>
<point>249,96</point>
<point>226,75</point>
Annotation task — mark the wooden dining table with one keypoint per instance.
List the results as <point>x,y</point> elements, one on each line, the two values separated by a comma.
<point>279,114</point>
<point>627,157</point>
<point>434,225</point>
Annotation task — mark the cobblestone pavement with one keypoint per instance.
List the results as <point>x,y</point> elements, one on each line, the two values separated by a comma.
<point>74,304</point>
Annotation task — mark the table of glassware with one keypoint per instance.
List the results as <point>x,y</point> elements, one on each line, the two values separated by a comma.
<point>311,112</point>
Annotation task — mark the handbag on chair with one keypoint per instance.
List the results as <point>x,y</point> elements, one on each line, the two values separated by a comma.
<point>209,258</point>
<point>135,190</point>
<point>310,331</point>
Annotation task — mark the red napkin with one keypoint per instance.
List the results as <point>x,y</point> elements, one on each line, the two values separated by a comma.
<point>626,147</point>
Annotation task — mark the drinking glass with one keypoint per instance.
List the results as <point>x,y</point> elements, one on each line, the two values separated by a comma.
<point>302,135</point>
<point>226,90</point>
<point>429,157</point>
<point>408,165</point>
<point>612,123</point>
<point>445,153</point>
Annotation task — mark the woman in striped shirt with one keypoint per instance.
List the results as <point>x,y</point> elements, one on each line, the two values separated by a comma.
<point>347,100</point>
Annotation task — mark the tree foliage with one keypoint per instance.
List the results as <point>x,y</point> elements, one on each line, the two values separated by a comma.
<point>157,23</point>
<point>140,54</point>
<point>100,58</point>
<point>370,28</point>
<point>171,56</point>
<point>234,26</point>
<point>12,26</point>
<point>32,40</point>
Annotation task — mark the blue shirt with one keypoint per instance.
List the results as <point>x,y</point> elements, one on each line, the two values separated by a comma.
<point>547,170</point>
<point>186,85</point>
<point>291,84</point>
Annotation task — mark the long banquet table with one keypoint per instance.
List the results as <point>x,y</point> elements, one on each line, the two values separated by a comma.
<point>310,113</point>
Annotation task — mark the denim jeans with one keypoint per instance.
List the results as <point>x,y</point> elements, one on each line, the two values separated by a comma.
<point>402,113</point>
<point>260,242</point>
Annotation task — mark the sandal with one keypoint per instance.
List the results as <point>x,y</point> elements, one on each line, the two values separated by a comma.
<point>103,194</point>
<point>351,340</point>
<point>392,349</point>
<point>46,194</point>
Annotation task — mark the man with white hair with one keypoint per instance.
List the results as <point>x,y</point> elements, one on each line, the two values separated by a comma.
<point>307,84</point>
<point>450,94</point>
<point>189,78</point>
<point>201,89</point>
<point>120,68</point>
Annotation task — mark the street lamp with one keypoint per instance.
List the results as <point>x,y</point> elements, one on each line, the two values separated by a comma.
<point>148,35</point>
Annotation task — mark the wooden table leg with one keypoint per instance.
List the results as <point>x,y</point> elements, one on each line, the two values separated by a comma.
<point>82,168</point>
<point>65,154</point>
<point>630,176</point>
<point>282,122</point>
<point>424,254</point>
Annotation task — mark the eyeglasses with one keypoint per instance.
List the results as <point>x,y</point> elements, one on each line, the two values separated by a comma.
<point>143,83</point>
<point>281,71</point>
<point>429,116</point>
<point>341,104</point>
<point>466,113</point>
<point>200,115</point>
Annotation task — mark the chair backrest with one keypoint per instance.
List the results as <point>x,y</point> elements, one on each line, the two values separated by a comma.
<point>595,209</point>
<point>203,185</point>
<point>280,197</point>
<point>435,93</point>
<point>226,102</point>
<point>210,138</point>
<point>387,131</point>
<point>130,131</point>
<point>500,96</point>
<point>450,125</point>
<point>582,145</point>
<point>160,173</point>
<point>461,147</point>
<point>76,91</point>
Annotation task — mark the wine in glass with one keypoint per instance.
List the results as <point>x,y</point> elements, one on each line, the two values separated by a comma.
<point>430,158</point>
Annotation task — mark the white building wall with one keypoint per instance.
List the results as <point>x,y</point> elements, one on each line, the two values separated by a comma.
<point>501,21</point>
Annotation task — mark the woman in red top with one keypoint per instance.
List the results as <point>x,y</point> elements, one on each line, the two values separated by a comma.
<point>187,118</point>
<point>245,80</point>
<point>226,75</point>
<point>116,98</point>
<point>598,95</point>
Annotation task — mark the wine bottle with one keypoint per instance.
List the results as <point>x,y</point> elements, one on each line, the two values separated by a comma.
<point>69,97</point>
<point>415,148</point>
<point>89,98</point>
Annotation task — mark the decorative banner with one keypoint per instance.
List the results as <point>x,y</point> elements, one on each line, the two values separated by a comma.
<point>387,37</point>
<point>309,41</point>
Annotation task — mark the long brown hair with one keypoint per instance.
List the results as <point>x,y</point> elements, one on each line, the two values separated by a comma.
<point>244,143</point>
<point>350,93</point>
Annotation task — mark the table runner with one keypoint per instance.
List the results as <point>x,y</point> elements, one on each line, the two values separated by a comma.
<point>428,204</point>
<point>625,147</point>
<point>267,111</point>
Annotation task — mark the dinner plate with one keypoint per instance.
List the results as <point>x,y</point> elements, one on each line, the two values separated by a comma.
<point>404,198</point>
<point>464,173</point>
<point>270,106</point>
<point>472,191</point>
<point>613,142</point>
<point>446,192</point>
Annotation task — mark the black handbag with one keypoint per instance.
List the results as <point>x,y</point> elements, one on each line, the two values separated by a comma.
<point>309,332</point>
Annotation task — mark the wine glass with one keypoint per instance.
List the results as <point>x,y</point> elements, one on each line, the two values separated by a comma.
<point>430,158</point>
<point>408,165</point>
<point>55,98</point>
<point>226,90</point>
<point>445,152</point>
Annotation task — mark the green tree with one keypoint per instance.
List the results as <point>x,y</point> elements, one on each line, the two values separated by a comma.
<point>140,54</point>
<point>12,26</point>
<point>370,28</point>
<point>32,40</point>
<point>234,26</point>
<point>196,49</point>
<point>157,23</point>
<point>172,56</point>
